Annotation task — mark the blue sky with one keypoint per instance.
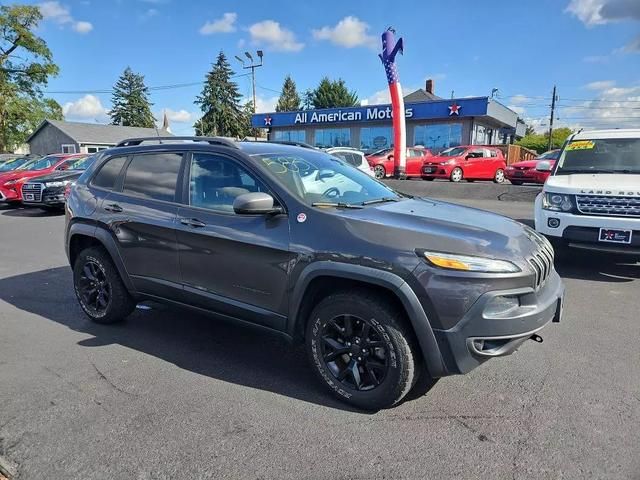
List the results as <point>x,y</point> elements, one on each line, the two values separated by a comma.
<point>589,48</point>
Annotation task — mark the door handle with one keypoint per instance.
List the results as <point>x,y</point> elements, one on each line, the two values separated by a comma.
<point>192,222</point>
<point>113,207</point>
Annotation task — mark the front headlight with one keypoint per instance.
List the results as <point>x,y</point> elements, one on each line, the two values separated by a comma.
<point>557,202</point>
<point>448,162</point>
<point>56,184</point>
<point>468,263</point>
<point>16,180</point>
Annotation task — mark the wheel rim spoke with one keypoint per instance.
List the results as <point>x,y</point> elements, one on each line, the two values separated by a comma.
<point>94,288</point>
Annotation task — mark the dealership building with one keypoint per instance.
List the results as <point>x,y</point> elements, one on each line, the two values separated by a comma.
<point>431,121</point>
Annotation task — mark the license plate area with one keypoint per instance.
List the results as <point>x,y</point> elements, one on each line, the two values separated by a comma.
<point>518,173</point>
<point>429,169</point>
<point>609,235</point>
<point>29,196</point>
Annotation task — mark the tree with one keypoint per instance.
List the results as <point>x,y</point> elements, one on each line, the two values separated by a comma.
<point>248,130</point>
<point>130,100</point>
<point>529,130</point>
<point>26,63</point>
<point>289,99</point>
<point>220,103</point>
<point>307,99</point>
<point>330,94</point>
<point>540,141</point>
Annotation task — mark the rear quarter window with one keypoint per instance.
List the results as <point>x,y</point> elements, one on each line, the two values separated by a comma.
<point>108,173</point>
<point>153,175</point>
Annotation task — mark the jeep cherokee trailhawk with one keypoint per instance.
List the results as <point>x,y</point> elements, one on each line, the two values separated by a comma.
<point>388,291</point>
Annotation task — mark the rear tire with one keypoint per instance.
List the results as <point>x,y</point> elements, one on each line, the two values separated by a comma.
<point>361,349</point>
<point>498,176</point>
<point>99,288</point>
<point>456,175</point>
<point>379,172</point>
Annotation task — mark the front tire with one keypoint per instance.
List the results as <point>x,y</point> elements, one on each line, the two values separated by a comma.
<point>361,349</point>
<point>379,172</point>
<point>456,175</point>
<point>99,288</point>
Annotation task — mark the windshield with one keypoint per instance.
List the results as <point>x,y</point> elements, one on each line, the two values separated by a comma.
<point>384,151</point>
<point>452,152</point>
<point>615,155</point>
<point>316,177</point>
<point>82,163</point>
<point>14,164</point>
<point>44,162</point>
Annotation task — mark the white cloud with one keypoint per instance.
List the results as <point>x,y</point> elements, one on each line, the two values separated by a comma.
<point>272,35</point>
<point>600,85</point>
<point>241,43</point>
<point>60,14</point>
<point>349,32</point>
<point>517,109</point>
<point>82,27</point>
<point>224,24</point>
<point>379,97</point>
<point>633,46</point>
<point>178,116</point>
<point>519,99</point>
<point>87,107</point>
<point>265,104</point>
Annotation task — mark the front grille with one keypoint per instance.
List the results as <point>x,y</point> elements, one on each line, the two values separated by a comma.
<point>34,189</point>
<point>542,261</point>
<point>606,205</point>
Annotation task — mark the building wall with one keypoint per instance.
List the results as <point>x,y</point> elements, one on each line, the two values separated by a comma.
<point>50,140</point>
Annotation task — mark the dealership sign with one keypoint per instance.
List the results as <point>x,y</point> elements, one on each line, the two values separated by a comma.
<point>462,107</point>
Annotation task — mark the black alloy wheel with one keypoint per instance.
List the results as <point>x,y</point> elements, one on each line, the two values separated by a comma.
<point>94,288</point>
<point>354,352</point>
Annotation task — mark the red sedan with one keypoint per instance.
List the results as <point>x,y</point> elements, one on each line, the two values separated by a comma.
<point>525,172</point>
<point>11,182</point>
<point>471,162</point>
<point>383,164</point>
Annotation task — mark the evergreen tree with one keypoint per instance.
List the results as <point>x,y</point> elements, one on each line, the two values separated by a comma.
<point>248,130</point>
<point>220,103</point>
<point>307,99</point>
<point>289,99</point>
<point>331,94</point>
<point>131,106</point>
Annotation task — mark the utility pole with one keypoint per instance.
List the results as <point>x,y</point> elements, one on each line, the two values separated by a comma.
<point>553,108</point>
<point>253,67</point>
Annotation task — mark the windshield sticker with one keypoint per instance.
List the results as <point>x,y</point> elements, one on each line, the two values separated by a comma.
<point>581,145</point>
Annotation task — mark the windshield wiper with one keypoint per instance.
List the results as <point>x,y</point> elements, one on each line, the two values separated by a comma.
<point>335,204</point>
<point>380,200</point>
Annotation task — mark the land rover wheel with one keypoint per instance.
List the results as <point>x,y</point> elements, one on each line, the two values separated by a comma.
<point>362,350</point>
<point>456,175</point>
<point>99,288</point>
<point>379,172</point>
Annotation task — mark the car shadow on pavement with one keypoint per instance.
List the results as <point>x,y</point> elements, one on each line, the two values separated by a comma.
<point>195,342</point>
<point>596,266</point>
<point>27,212</point>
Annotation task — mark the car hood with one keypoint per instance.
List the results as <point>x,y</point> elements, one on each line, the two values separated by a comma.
<point>595,183</point>
<point>59,176</point>
<point>446,227</point>
<point>525,164</point>
<point>438,159</point>
<point>5,177</point>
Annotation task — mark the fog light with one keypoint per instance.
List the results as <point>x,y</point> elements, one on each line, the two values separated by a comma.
<point>501,305</point>
<point>553,222</point>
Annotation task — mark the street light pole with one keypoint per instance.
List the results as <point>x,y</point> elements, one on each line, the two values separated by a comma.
<point>253,67</point>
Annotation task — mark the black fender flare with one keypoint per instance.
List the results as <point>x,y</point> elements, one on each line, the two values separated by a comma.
<point>388,280</point>
<point>108,242</point>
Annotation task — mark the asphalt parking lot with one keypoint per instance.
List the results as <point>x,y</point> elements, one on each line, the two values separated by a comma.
<point>170,394</point>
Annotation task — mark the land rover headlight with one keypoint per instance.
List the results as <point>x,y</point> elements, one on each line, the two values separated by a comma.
<point>468,263</point>
<point>557,202</point>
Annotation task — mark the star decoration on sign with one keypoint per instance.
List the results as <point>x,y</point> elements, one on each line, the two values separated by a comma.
<point>454,109</point>
<point>267,120</point>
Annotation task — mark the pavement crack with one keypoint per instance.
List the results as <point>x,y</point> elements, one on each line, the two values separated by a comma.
<point>528,425</point>
<point>106,379</point>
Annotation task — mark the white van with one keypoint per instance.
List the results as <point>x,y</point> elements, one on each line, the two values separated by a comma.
<point>592,198</point>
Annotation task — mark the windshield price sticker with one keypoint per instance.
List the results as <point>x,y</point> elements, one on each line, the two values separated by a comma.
<point>581,145</point>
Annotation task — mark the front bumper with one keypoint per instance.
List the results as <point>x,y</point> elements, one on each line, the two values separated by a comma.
<point>8,194</point>
<point>441,171</point>
<point>479,336</point>
<point>50,197</point>
<point>582,231</point>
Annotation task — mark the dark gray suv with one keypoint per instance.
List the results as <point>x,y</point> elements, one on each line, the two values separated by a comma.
<point>388,292</point>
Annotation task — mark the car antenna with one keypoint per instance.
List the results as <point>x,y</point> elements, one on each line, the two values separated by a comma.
<point>156,129</point>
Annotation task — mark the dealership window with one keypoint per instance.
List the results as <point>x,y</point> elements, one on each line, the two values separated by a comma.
<point>288,135</point>
<point>68,148</point>
<point>482,135</point>
<point>438,136</point>
<point>375,138</point>
<point>332,137</point>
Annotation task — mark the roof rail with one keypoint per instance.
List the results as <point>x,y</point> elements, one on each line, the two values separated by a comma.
<point>225,142</point>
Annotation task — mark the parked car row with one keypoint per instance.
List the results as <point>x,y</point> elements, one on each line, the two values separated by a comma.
<point>40,181</point>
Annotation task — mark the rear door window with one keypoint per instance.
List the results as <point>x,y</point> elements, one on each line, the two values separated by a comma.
<point>153,175</point>
<point>108,173</point>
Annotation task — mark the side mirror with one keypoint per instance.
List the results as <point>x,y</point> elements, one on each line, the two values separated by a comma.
<point>467,157</point>
<point>256,203</point>
<point>543,166</point>
<point>322,174</point>
<point>390,156</point>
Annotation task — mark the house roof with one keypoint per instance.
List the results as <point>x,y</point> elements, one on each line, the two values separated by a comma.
<point>420,95</point>
<point>97,133</point>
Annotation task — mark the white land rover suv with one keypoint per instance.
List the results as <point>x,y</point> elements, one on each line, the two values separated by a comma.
<point>592,198</point>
